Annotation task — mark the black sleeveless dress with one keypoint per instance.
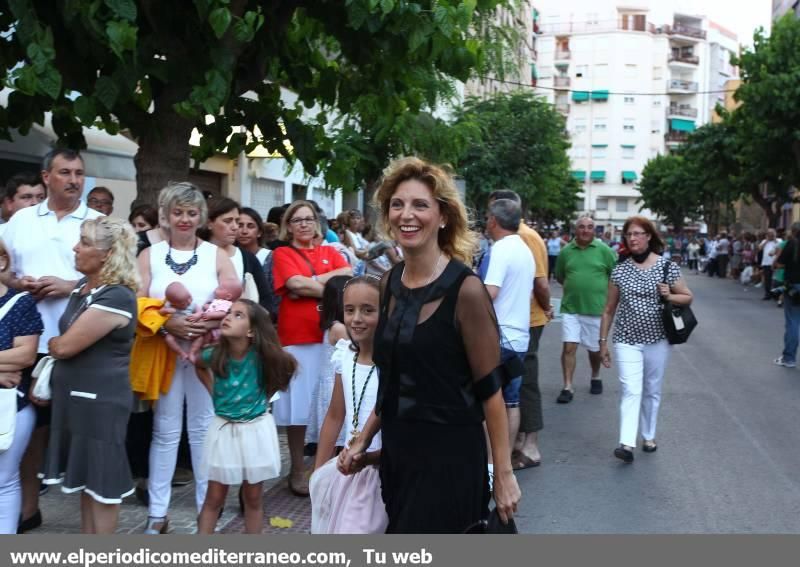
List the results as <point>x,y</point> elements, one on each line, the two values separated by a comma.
<point>433,466</point>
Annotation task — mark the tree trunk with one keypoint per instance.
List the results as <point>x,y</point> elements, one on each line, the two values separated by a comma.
<point>371,213</point>
<point>772,212</point>
<point>164,153</point>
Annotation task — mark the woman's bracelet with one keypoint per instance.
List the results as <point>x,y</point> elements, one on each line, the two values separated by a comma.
<point>603,339</point>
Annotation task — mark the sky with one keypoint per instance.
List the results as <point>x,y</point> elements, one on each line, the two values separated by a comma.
<point>739,16</point>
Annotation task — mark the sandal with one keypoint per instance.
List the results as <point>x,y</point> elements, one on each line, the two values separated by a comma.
<point>156,526</point>
<point>520,461</point>
<point>649,446</point>
<point>298,484</point>
<point>624,454</point>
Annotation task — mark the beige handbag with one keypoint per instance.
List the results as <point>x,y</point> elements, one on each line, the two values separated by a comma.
<point>249,289</point>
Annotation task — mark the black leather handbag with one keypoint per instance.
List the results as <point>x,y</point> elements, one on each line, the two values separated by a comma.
<point>493,525</point>
<point>679,320</point>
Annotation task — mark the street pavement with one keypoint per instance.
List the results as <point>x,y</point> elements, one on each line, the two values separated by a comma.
<point>727,460</point>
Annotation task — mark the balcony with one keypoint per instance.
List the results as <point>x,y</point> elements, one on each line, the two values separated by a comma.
<point>563,55</point>
<point>562,108</point>
<point>561,82</point>
<point>681,59</point>
<point>679,86</point>
<point>674,138</point>
<point>682,111</point>
<point>686,31</point>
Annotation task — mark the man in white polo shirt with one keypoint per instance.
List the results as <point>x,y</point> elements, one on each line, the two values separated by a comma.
<point>39,241</point>
<point>509,281</point>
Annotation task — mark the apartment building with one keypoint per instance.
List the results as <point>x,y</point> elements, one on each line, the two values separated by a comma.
<point>781,7</point>
<point>525,20</point>
<point>633,82</point>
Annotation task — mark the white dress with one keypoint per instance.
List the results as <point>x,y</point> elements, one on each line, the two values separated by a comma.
<point>321,397</point>
<point>350,504</point>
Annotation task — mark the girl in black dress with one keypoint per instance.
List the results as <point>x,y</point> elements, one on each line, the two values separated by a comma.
<point>437,350</point>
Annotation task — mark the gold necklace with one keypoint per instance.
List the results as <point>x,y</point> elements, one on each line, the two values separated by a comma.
<point>433,273</point>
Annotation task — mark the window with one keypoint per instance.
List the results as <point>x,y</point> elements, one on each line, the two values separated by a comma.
<point>545,72</point>
<point>658,73</point>
<point>601,72</point>
<point>601,204</point>
<point>629,100</point>
<point>657,103</point>
<point>579,152</point>
<point>579,204</point>
<point>629,125</point>
<point>592,18</point>
<point>655,127</point>
<point>581,70</point>
<point>622,205</point>
<point>600,127</point>
<point>579,125</point>
<point>628,152</point>
<point>631,71</point>
<point>599,152</point>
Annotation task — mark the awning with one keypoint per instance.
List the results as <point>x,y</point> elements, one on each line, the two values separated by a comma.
<point>629,176</point>
<point>682,125</point>
<point>580,96</point>
<point>628,146</point>
<point>580,175</point>
<point>599,145</point>
<point>598,175</point>
<point>599,95</point>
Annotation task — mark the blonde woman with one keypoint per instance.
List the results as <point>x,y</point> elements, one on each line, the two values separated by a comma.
<point>437,349</point>
<point>91,391</point>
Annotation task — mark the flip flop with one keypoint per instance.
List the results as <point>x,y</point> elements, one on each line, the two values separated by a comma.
<point>523,462</point>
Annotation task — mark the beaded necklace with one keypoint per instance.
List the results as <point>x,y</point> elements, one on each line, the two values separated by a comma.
<point>181,268</point>
<point>357,406</point>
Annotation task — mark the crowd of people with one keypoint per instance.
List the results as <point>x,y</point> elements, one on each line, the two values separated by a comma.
<point>406,367</point>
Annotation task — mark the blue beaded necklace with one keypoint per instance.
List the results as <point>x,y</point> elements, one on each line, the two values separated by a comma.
<point>181,268</point>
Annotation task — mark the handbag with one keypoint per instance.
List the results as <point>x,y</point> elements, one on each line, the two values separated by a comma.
<point>679,320</point>
<point>493,525</point>
<point>42,372</point>
<point>250,291</point>
<point>8,396</point>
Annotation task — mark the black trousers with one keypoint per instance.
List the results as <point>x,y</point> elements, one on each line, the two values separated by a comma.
<point>767,271</point>
<point>530,398</point>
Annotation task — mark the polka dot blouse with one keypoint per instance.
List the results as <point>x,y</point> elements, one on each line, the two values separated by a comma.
<point>638,319</point>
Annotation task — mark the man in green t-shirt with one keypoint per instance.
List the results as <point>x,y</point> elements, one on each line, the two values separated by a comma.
<point>583,268</point>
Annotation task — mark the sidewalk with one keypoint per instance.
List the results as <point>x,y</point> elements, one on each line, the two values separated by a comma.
<point>61,512</point>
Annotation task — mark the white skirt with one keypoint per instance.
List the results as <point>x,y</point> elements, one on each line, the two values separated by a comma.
<point>294,405</point>
<point>237,452</point>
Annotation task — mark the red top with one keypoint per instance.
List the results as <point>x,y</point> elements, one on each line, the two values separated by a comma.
<point>299,319</point>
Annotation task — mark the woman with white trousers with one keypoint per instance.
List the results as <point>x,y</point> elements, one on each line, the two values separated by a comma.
<point>637,291</point>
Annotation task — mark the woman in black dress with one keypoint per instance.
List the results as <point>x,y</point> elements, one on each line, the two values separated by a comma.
<point>91,390</point>
<point>437,350</point>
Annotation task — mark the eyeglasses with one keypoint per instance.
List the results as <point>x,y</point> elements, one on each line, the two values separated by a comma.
<point>637,234</point>
<point>304,220</point>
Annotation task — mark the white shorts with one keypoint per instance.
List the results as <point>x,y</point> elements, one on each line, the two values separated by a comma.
<point>583,329</point>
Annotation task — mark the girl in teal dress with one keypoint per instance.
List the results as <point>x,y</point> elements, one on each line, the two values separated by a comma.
<point>242,372</point>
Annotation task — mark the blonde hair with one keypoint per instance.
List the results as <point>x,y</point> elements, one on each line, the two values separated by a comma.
<point>118,237</point>
<point>287,216</point>
<point>183,194</point>
<point>455,239</point>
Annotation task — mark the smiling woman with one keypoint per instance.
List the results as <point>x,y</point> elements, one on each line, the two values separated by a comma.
<point>437,352</point>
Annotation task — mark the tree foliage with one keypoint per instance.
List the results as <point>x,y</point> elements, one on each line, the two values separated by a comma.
<point>669,188</point>
<point>517,141</point>
<point>156,70</point>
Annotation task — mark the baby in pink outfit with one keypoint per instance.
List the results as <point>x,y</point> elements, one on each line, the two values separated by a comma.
<point>215,310</point>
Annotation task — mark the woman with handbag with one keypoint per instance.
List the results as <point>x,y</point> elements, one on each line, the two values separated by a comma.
<point>222,231</point>
<point>300,272</point>
<point>637,292</point>
<point>91,391</point>
<point>20,327</point>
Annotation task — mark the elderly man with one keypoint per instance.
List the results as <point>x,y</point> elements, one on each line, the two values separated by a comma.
<point>583,268</point>
<point>39,241</point>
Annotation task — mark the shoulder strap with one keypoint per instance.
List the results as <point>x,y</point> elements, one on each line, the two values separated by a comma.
<point>10,303</point>
<point>305,258</point>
